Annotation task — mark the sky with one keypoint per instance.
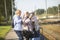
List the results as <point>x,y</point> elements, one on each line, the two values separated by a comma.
<point>31,5</point>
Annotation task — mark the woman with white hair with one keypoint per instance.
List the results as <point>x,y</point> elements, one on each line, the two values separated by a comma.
<point>26,25</point>
<point>35,27</point>
<point>35,20</point>
<point>18,24</point>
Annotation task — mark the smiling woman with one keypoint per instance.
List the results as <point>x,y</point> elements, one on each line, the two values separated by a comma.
<point>3,31</point>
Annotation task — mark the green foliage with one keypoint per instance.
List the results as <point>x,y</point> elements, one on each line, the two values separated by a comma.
<point>55,10</point>
<point>2,18</point>
<point>2,8</point>
<point>49,10</point>
<point>52,10</point>
<point>1,38</point>
<point>59,6</point>
<point>8,9</point>
<point>40,11</point>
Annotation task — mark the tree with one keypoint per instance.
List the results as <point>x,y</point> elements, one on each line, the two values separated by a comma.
<point>59,8</point>
<point>8,7</point>
<point>40,11</point>
<point>50,10</point>
<point>55,9</point>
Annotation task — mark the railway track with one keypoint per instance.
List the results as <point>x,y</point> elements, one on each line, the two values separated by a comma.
<point>50,34</point>
<point>47,35</point>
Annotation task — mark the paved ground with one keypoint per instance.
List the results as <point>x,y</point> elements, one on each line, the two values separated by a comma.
<point>12,36</point>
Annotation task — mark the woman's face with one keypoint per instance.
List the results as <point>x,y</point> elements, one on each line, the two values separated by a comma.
<point>19,13</point>
<point>27,14</point>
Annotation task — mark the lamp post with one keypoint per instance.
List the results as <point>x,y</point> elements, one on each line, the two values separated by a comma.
<point>35,9</point>
<point>46,9</point>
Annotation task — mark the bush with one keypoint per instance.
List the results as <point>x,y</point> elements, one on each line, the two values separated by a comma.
<point>2,18</point>
<point>1,38</point>
<point>3,31</point>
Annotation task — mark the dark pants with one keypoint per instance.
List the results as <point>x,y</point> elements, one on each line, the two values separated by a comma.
<point>20,35</point>
<point>27,34</point>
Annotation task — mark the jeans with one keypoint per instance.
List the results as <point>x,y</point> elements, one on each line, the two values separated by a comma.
<point>19,34</point>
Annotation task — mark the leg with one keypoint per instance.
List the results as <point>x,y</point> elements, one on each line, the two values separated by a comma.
<point>27,38</point>
<point>19,33</point>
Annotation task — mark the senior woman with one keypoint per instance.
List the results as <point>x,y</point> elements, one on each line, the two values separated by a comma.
<point>18,24</point>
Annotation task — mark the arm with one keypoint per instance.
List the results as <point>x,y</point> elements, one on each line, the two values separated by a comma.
<point>16,20</point>
<point>27,20</point>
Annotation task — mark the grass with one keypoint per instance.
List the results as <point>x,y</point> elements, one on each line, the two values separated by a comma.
<point>3,31</point>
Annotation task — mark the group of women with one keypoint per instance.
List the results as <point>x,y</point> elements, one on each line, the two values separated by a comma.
<point>27,26</point>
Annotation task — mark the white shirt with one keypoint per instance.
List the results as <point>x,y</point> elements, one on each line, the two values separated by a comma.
<point>34,18</point>
<point>17,23</point>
